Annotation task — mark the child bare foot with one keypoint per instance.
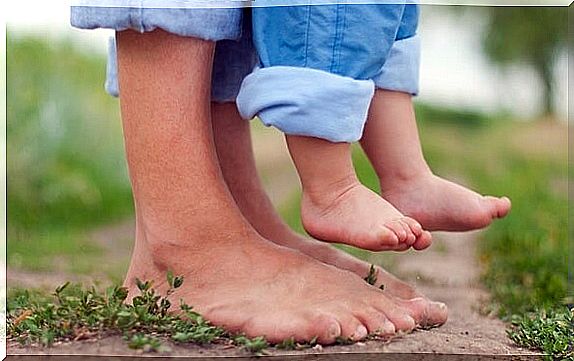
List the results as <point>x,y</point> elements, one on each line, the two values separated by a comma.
<point>442,205</point>
<point>392,144</point>
<point>336,207</point>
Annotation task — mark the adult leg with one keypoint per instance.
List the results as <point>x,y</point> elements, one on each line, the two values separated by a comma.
<point>235,153</point>
<point>391,142</point>
<point>188,223</point>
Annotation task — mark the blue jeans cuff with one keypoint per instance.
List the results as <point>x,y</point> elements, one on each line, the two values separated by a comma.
<point>111,84</point>
<point>307,102</point>
<point>401,70</point>
<point>207,24</point>
<point>232,62</point>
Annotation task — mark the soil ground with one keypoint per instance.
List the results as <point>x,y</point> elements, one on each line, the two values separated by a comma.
<point>448,272</point>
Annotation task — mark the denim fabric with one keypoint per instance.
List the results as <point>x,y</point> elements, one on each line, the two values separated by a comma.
<point>329,97</point>
<point>346,45</point>
<point>300,101</point>
<point>348,40</point>
<point>409,22</point>
<point>401,70</point>
<point>233,60</point>
<point>208,24</point>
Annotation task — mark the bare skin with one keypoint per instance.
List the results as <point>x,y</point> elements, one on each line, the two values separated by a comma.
<point>391,142</point>
<point>235,152</point>
<point>336,207</point>
<point>188,222</point>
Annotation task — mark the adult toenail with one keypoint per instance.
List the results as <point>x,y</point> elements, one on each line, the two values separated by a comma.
<point>439,305</point>
<point>360,333</point>
<point>334,330</point>
<point>388,328</point>
<point>410,321</point>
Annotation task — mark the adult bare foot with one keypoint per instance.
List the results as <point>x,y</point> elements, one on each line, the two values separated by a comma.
<point>246,284</point>
<point>425,312</point>
<point>234,150</point>
<point>188,223</point>
<point>391,142</point>
<point>336,207</point>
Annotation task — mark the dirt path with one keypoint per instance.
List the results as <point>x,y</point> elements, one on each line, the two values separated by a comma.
<point>448,272</point>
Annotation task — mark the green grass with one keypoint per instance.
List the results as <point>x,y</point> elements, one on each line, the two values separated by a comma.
<point>66,170</point>
<point>146,323</point>
<point>74,313</point>
<point>547,330</point>
<point>45,250</point>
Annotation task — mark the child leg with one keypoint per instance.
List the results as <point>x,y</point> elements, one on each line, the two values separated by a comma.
<point>392,144</point>
<point>314,83</point>
<point>336,207</point>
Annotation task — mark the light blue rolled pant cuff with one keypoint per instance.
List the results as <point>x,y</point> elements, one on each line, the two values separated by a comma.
<point>401,70</point>
<point>233,60</point>
<point>207,24</point>
<point>307,102</point>
<point>111,83</point>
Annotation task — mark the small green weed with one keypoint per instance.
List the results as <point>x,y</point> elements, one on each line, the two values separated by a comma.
<point>291,344</point>
<point>74,313</point>
<point>549,331</point>
<point>372,277</point>
<point>255,345</point>
<point>146,343</point>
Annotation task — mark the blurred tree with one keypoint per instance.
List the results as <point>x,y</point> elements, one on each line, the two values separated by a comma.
<point>528,34</point>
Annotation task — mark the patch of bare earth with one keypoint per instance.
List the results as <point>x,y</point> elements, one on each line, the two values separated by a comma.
<point>449,272</point>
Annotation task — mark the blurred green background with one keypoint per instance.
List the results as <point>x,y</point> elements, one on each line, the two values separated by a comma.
<point>69,199</point>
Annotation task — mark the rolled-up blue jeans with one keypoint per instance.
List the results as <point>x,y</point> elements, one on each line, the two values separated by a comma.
<point>306,70</point>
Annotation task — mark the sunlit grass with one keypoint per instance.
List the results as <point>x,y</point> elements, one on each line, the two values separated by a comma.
<point>66,169</point>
